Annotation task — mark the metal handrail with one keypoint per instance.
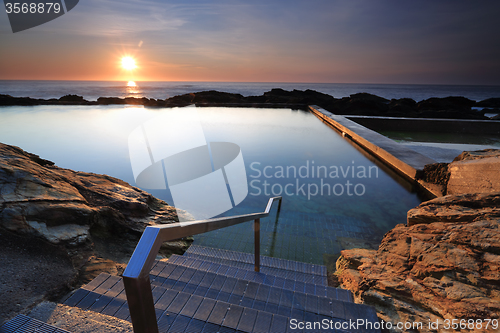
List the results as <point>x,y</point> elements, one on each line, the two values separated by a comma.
<point>136,275</point>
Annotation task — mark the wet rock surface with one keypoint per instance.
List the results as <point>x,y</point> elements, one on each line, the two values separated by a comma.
<point>356,104</point>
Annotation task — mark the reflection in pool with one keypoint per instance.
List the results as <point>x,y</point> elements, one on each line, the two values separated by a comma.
<point>334,197</point>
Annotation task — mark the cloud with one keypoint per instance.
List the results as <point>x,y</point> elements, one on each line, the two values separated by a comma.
<point>114,18</point>
<point>326,39</point>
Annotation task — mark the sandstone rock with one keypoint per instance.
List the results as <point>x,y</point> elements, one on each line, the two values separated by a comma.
<point>62,205</point>
<point>444,264</point>
<point>459,208</point>
<point>477,175</point>
<point>470,172</point>
<point>478,154</point>
<point>73,234</point>
<point>96,266</point>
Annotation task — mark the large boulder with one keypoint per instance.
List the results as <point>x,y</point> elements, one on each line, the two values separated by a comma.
<point>476,171</point>
<point>447,266</point>
<point>470,172</point>
<point>61,205</point>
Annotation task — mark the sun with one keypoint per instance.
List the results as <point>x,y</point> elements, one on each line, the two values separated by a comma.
<point>128,63</point>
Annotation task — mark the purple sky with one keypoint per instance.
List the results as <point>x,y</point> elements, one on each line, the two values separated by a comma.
<point>442,42</point>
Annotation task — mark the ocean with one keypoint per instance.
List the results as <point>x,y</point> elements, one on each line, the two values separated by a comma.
<point>91,90</point>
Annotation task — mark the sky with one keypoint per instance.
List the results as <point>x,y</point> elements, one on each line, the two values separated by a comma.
<point>327,41</point>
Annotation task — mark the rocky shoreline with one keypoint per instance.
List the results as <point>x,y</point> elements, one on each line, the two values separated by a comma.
<point>64,228</point>
<point>356,104</point>
<point>445,262</point>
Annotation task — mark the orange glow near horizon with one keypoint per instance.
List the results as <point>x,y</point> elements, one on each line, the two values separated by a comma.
<point>131,84</point>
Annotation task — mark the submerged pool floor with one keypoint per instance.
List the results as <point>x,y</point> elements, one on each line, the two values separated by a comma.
<point>308,237</point>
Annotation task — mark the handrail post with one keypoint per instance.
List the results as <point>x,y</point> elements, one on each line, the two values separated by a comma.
<point>141,304</point>
<point>136,275</point>
<point>256,228</point>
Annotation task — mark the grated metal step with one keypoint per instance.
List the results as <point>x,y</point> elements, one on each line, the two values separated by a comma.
<point>176,311</point>
<point>285,279</point>
<point>181,292</point>
<point>183,311</point>
<point>25,324</point>
<point>248,258</point>
<point>280,272</point>
<point>246,293</point>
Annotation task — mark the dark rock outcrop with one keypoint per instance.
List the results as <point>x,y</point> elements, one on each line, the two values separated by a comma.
<point>62,205</point>
<point>72,98</point>
<point>489,103</point>
<point>361,104</point>
<point>356,104</point>
<point>449,107</point>
<point>447,103</point>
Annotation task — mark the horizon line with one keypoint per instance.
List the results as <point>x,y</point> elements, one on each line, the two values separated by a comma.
<point>266,82</point>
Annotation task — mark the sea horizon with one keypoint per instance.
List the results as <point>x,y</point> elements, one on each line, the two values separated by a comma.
<point>92,89</point>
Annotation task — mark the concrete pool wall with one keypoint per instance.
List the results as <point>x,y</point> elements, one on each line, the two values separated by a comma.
<point>404,161</point>
<point>463,126</point>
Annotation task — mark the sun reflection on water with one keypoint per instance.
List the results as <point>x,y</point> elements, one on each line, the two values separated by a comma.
<point>132,89</point>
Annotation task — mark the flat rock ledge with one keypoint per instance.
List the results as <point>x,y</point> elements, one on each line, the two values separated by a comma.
<point>470,172</point>
<point>445,264</point>
<point>61,205</point>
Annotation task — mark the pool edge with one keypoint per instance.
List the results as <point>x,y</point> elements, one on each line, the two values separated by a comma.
<point>403,160</point>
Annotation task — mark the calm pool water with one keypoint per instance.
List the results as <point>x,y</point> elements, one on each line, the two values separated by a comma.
<point>334,197</point>
<point>454,138</point>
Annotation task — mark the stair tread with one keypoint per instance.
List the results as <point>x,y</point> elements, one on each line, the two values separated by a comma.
<point>280,272</point>
<point>265,261</point>
<point>180,310</point>
<point>25,324</point>
<point>233,291</point>
<point>218,291</point>
<point>178,267</point>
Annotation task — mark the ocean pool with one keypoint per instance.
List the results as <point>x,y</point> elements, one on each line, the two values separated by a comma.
<point>334,195</point>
